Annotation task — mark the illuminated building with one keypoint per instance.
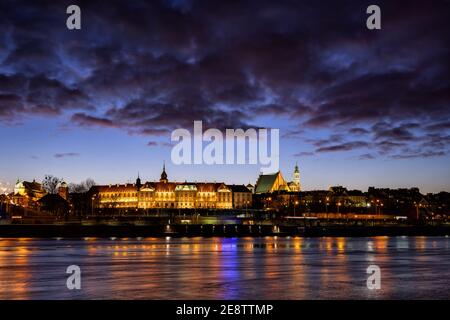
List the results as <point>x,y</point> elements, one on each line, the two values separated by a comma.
<point>270,183</point>
<point>63,191</point>
<point>166,194</point>
<point>26,194</point>
<point>295,185</point>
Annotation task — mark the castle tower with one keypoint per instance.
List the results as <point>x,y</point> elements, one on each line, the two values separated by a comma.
<point>164,174</point>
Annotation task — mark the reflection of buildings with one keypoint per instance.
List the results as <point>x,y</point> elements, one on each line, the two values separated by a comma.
<point>165,194</point>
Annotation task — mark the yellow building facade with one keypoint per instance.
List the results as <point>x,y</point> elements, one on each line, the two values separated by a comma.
<point>165,194</point>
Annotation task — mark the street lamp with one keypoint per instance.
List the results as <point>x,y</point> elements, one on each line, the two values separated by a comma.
<point>92,205</point>
<point>295,204</point>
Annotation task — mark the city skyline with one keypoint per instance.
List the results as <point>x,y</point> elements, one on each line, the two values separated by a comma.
<point>155,176</point>
<point>218,157</point>
<point>355,107</point>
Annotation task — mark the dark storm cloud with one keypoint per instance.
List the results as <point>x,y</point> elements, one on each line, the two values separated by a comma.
<point>87,121</point>
<point>400,133</point>
<point>418,154</point>
<point>37,95</point>
<point>441,126</point>
<point>147,67</point>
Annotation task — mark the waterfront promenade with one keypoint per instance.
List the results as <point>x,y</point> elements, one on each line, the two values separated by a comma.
<point>221,230</point>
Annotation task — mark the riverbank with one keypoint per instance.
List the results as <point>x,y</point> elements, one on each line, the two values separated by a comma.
<point>229,230</point>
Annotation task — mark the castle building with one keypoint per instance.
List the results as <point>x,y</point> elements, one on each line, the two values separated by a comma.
<point>166,194</point>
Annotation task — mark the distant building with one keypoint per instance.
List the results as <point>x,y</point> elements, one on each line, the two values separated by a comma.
<point>357,198</point>
<point>163,194</point>
<point>81,203</point>
<point>353,198</point>
<point>26,194</point>
<point>63,191</point>
<point>294,185</point>
<point>54,203</point>
<point>270,183</point>
<point>242,196</point>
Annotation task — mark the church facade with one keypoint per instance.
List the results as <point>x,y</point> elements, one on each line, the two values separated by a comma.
<point>166,194</point>
<point>275,182</point>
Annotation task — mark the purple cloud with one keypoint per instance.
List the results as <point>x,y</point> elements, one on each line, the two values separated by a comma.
<point>235,65</point>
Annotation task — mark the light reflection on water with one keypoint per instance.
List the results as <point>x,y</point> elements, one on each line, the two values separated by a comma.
<point>226,268</point>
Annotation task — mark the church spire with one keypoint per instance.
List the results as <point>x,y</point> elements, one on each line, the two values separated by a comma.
<point>297,177</point>
<point>138,182</point>
<point>164,174</point>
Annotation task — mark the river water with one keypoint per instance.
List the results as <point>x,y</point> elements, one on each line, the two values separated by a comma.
<point>226,268</point>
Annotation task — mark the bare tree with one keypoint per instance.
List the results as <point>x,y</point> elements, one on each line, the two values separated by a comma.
<point>77,188</point>
<point>81,187</point>
<point>89,183</point>
<point>51,183</point>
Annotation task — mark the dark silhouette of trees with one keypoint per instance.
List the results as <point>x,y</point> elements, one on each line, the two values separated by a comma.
<point>81,187</point>
<point>51,183</point>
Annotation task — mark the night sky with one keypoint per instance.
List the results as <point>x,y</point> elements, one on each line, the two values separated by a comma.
<point>355,107</point>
